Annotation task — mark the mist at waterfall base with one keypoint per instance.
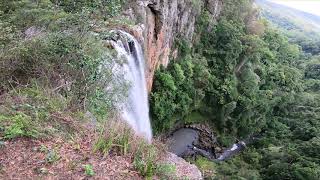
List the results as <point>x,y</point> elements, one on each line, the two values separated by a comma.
<point>136,109</point>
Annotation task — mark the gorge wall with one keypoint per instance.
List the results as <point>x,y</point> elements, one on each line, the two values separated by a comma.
<point>160,22</point>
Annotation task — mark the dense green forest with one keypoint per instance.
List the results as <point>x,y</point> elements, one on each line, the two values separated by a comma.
<point>244,77</point>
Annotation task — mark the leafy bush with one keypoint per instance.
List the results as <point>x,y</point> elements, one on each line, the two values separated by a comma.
<point>165,170</point>
<point>144,160</point>
<point>19,125</point>
<point>88,170</point>
<point>207,168</point>
<point>116,137</point>
<point>27,112</point>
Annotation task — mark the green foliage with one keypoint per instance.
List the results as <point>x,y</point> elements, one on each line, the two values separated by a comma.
<point>88,170</point>
<point>237,10</point>
<point>103,8</point>
<point>178,91</point>
<point>103,145</point>
<point>144,160</point>
<point>32,112</point>
<point>244,83</point>
<point>69,59</point>
<point>52,154</point>
<point>222,74</point>
<point>237,169</point>
<point>47,44</point>
<point>114,136</point>
<point>117,137</point>
<point>197,5</point>
<point>301,28</point>
<point>165,171</point>
<point>19,125</point>
<point>207,168</point>
<point>57,15</point>
<point>312,71</point>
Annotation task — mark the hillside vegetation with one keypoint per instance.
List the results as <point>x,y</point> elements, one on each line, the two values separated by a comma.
<point>300,27</point>
<point>244,77</point>
<point>58,95</point>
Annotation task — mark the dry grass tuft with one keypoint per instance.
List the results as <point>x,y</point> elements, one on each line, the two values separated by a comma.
<point>117,138</point>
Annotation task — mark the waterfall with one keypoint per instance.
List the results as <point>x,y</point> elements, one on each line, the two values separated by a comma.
<point>136,109</point>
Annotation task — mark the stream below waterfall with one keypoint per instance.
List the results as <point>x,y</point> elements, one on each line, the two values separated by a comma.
<point>183,143</point>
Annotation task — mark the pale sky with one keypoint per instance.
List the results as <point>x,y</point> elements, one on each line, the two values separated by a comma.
<point>311,6</point>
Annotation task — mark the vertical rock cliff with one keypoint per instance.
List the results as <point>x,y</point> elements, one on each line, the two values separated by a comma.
<point>160,22</point>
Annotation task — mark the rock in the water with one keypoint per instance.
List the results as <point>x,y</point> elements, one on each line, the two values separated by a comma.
<point>189,142</point>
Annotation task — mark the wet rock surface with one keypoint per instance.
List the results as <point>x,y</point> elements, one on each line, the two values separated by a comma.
<point>190,142</point>
<point>187,142</point>
<point>182,140</point>
<point>230,152</point>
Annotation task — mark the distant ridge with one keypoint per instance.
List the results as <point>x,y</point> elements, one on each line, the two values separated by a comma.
<point>300,27</point>
<point>274,11</point>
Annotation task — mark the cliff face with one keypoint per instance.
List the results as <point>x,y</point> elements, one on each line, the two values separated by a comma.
<point>161,21</point>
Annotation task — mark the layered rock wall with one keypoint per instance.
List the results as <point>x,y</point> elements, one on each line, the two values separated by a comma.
<point>160,22</point>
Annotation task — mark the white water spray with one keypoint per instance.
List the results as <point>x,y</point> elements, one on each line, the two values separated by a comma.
<point>136,109</point>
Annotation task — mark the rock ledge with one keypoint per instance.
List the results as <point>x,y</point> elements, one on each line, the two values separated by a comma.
<point>183,168</point>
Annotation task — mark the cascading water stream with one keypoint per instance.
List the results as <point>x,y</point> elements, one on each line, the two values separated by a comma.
<point>136,110</point>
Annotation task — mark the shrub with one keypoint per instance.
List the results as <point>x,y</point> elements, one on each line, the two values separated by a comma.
<point>116,137</point>
<point>167,171</point>
<point>19,125</point>
<point>32,112</point>
<point>207,167</point>
<point>88,170</point>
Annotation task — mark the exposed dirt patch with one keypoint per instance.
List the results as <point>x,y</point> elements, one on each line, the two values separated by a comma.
<point>60,159</point>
